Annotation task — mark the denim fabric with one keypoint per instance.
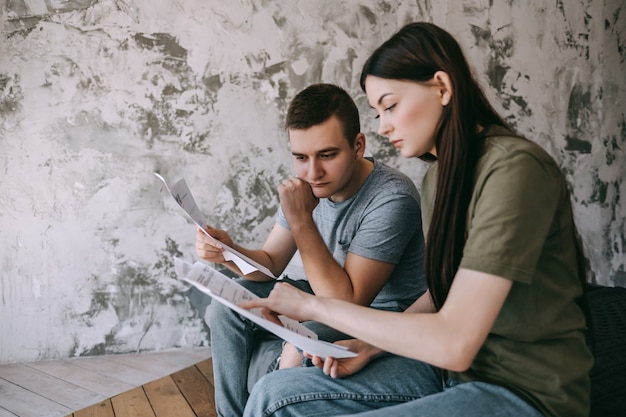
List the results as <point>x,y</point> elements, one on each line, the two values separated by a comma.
<point>387,381</point>
<point>389,386</point>
<point>233,341</point>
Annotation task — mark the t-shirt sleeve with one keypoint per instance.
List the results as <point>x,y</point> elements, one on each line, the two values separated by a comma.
<point>513,210</point>
<point>281,219</point>
<point>386,228</point>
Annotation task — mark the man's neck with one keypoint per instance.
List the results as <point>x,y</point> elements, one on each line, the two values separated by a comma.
<point>363,170</point>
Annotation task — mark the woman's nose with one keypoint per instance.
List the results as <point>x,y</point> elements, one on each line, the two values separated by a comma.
<point>384,127</point>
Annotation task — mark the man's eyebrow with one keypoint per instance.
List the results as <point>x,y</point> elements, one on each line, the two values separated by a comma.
<point>329,149</point>
<point>325,150</point>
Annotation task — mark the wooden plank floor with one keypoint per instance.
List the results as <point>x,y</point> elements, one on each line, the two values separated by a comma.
<point>70,387</point>
<point>186,393</point>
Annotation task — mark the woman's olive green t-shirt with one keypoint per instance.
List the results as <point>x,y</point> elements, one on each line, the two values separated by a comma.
<point>520,227</point>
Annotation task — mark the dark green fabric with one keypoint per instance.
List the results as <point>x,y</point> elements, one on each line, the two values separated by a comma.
<point>520,228</point>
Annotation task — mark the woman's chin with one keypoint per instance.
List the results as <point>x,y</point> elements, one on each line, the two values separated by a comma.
<point>408,153</point>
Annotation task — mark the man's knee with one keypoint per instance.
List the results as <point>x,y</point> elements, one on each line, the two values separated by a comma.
<point>224,320</point>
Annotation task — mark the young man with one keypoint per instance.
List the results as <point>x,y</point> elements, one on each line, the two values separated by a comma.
<point>355,222</point>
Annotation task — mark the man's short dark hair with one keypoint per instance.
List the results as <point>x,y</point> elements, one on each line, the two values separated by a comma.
<point>317,103</point>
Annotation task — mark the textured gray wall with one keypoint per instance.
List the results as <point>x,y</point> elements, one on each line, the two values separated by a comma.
<point>97,95</point>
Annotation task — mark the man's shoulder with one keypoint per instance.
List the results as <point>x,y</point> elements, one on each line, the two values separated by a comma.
<point>388,179</point>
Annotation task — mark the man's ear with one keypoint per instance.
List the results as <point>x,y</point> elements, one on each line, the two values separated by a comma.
<point>359,145</point>
<point>444,87</point>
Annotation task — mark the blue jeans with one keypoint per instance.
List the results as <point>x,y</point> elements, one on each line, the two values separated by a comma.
<point>243,351</point>
<point>389,386</point>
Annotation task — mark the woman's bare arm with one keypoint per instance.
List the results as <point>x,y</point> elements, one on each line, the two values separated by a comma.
<point>448,339</point>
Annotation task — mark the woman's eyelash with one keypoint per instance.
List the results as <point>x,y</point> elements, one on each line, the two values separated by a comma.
<point>386,109</point>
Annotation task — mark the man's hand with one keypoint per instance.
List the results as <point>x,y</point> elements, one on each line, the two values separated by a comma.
<point>339,368</point>
<point>211,251</point>
<point>297,200</point>
<point>290,357</point>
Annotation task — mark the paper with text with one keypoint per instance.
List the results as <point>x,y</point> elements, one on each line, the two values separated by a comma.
<point>183,197</point>
<point>230,293</point>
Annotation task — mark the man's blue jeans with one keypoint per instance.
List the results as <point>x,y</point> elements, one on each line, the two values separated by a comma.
<point>389,386</point>
<point>243,352</point>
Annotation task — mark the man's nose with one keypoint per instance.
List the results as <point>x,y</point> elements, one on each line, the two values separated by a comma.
<point>315,169</point>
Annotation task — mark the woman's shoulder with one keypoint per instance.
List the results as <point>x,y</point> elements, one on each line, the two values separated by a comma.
<point>502,145</point>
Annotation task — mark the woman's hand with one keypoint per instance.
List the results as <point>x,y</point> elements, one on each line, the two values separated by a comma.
<point>285,300</point>
<point>210,250</point>
<point>289,301</point>
<point>339,368</point>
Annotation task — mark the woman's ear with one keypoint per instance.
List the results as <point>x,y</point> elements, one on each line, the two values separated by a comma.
<point>444,86</point>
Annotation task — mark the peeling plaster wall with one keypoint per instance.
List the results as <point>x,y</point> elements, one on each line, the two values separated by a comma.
<point>96,95</point>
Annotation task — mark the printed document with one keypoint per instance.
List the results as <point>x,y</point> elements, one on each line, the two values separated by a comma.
<point>183,197</point>
<point>228,292</point>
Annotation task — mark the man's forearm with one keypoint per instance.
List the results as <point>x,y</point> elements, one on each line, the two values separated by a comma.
<point>252,276</point>
<point>259,256</point>
<point>326,276</point>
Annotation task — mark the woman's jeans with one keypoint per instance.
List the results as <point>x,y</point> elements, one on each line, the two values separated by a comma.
<point>390,386</point>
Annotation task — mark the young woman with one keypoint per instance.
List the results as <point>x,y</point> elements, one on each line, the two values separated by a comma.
<point>500,332</point>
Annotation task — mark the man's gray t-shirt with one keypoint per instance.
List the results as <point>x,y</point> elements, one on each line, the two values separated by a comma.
<point>382,221</point>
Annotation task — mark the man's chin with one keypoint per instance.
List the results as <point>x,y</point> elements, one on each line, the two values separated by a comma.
<point>321,193</point>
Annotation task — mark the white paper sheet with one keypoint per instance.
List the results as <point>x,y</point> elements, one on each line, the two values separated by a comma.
<point>181,193</point>
<point>230,293</point>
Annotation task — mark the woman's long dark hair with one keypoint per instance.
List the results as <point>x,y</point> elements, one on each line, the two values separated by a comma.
<point>416,53</point>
